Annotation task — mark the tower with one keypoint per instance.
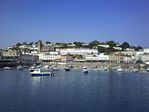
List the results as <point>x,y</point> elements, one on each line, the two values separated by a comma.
<point>39,45</point>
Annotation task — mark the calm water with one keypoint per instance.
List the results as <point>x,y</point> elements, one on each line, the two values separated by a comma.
<point>74,92</point>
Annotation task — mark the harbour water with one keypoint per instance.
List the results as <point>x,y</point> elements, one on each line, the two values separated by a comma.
<point>97,91</point>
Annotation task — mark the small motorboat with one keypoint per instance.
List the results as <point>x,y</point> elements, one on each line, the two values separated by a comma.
<point>20,67</point>
<point>85,69</point>
<point>135,70</point>
<point>120,70</point>
<point>32,68</point>
<point>7,68</point>
<point>147,69</point>
<point>106,69</point>
<point>67,68</point>
<point>38,72</point>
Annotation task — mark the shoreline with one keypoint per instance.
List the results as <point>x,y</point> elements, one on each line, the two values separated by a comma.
<point>93,64</point>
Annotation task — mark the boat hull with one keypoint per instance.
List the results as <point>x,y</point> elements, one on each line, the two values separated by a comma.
<point>40,74</point>
<point>67,69</point>
<point>85,72</point>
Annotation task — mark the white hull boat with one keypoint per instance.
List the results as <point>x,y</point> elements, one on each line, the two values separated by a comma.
<point>85,70</point>
<point>120,70</point>
<point>7,68</point>
<point>38,72</point>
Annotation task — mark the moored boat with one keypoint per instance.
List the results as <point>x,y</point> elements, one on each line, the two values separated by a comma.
<point>85,69</point>
<point>106,68</point>
<point>147,69</point>
<point>120,70</point>
<point>38,72</point>
<point>135,70</point>
<point>67,68</point>
<point>32,68</point>
<point>7,68</point>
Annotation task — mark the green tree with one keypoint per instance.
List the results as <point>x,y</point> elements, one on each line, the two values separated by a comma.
<point>18,44</point>
<point>47,42</point>
<point>31,43</point>
<point>125,45</point>
<point>78,44</point>
<point>64,45</point>
<point>101,49</point>
<point>111,44</point>
<point>24,43</point>
<point>94,43</point>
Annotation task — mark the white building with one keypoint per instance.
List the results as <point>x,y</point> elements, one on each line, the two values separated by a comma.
<point>117,48</point>
<point>78,51</point>
<point>105,46</point>
<point>92,58</point>
<point>144,57</point>
<point>146,50</point>
<point>85,44</point>
<point>104,57</point>
<point>129,53</point>
<point>34,52</point>
<point>48,56</point>
<point>128,59</point>
<point>100,57</point>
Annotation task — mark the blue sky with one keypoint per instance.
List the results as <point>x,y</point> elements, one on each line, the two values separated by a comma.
<point>74,20</point>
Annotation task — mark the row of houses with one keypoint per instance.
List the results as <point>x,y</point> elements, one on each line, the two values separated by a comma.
<point>40,52</point>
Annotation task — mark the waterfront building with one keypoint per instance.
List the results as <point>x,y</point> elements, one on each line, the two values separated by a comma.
<point>127,53</point>
<point>34,52</point>
<point>29,59</point>
<point>138,53</point>
<point>11,53</point>
<point>78,51</point>
<point>66,58</point>
<point>92,58</point>
<point>116,58</point>
<point>50,56</point>
<point>100,57</point>
<point>128,59</point>
<point>143,57</point>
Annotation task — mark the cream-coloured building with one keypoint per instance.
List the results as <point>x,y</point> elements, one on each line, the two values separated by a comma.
<point>79,51</point>
<point>11,53</point>
<point>49,56</point>
<point>100,57</point>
